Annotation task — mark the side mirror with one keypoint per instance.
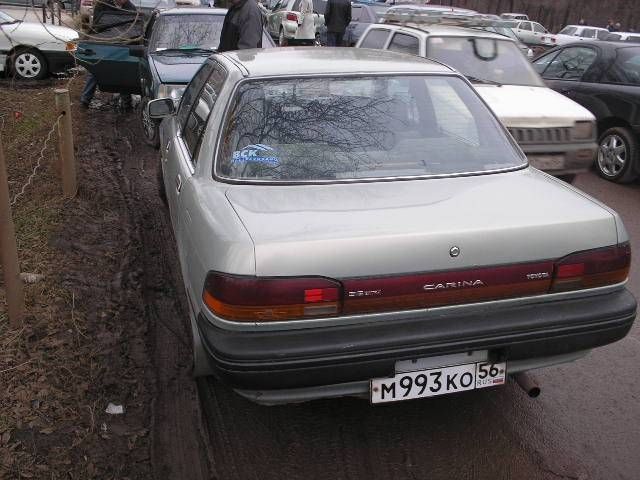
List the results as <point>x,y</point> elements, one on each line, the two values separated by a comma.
<point>139,51</point>
<point>161,107</point>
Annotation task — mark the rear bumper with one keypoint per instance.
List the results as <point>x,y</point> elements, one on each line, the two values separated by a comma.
<point>561,159</point>
<point>303,358</point>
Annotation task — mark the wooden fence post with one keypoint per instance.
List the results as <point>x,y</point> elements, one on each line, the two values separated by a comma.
<point>9,251</point>
<point>65,134</point>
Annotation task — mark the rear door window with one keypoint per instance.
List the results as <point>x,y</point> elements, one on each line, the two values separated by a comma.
<point>376,38</point>
<point>588,33</point>
<point>571,63</point>
<point>538,28</point>
<point>404,43</point>
<point>626,68</point>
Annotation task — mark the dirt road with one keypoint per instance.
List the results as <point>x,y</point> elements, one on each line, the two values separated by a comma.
<point>581,428</point>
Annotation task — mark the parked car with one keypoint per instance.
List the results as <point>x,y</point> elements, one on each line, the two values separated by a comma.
<point>31,50</point>
<point>362,14</point>
<point>557,134</point>
<point>483,266</point>
<point>176,43</point>
<point>580,33</point>
<point>631,37</point>
<point>514,16</point>
<point>604,77</point>
<point>532,33</point>
<point>285,18</point>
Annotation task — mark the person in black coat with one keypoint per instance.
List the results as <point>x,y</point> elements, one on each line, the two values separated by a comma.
<point>242,27</point>
<point>336,18</point>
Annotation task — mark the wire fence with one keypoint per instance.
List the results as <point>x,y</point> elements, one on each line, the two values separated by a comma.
<point>47,139</point>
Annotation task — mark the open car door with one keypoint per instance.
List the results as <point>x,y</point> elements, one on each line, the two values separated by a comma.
<point>105,53</point>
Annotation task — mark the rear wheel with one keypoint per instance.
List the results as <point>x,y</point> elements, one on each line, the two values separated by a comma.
<point>28,64</point>
<point>282,40</point>
<point>149,126</point>
<point>617,155</point>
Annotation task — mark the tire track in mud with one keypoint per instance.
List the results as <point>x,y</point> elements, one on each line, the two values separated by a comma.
<point>178,443</point>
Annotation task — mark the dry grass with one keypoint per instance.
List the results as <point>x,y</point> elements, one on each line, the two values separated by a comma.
<point>45,366</point>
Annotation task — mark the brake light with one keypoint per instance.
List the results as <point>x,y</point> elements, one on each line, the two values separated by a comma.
<point>292,16</point>
<point>592,268</point>
<point>258,299</point>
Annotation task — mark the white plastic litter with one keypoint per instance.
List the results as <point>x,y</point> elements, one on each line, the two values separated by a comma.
<point>113,409</point>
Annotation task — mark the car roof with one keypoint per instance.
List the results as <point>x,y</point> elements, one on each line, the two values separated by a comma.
<point>583,26</point>
<point>328,60</point>
<point>193,11</point>
<point>445,30</point>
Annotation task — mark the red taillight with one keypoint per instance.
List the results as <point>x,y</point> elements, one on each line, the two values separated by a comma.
<point>592,268</point>
<point>252,299</point>
<point>292,16</point>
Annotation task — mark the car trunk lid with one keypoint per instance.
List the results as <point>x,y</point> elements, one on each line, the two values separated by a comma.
<point>402,227</point>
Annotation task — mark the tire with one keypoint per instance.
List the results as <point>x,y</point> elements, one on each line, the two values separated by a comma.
<point>161,193</point>
<point>282,40</point>
<point>28,64</point>
<point>617,155</point>
<point>150,131</point>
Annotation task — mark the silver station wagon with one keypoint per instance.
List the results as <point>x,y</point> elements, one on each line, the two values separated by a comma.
<point>358,222</point>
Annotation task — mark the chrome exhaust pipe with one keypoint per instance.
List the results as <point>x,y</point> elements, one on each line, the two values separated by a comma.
<point>527,383</point>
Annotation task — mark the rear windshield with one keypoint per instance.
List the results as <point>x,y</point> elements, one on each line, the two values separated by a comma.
<point>489,60</point>
<point>186,31</point>
<point>325,129</point>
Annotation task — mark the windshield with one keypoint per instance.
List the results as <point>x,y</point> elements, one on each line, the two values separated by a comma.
<point>4,18</point>
<point>325,129</point>
<point>186,32</point>
<point>484,59</point>
<point>567,31</point>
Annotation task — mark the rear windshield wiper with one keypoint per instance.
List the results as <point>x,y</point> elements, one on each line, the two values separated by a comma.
<point>482,80</point>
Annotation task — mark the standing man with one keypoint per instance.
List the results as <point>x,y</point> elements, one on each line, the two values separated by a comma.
<point>336,18</point>
<point>103,7</point>
<point>242,27</point>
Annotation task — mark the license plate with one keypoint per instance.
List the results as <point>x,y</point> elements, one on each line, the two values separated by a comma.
<point>437,381</point>
<point>547,162</point>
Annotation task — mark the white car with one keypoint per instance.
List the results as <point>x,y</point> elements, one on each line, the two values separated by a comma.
<point>580,33</point>
<point>532,33</point>
<point>631,37</point>
<point>284,22</point>
<point>31,51</point>
<point>556,133</point>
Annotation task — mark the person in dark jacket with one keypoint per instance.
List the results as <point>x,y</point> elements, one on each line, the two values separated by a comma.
<point>103,7</point>
<point>242,27</point>
<point>336,18</point>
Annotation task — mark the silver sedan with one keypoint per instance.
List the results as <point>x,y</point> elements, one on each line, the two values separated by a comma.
<point>358,222</point>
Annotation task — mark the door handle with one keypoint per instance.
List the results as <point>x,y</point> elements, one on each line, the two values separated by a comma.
<point>178,183</point>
